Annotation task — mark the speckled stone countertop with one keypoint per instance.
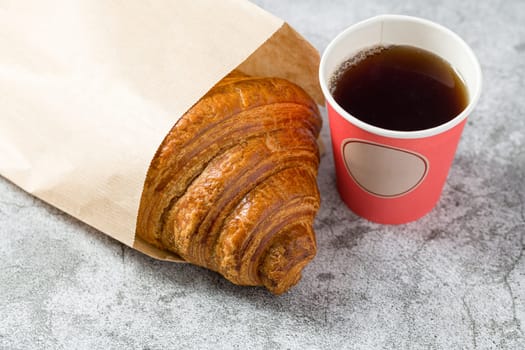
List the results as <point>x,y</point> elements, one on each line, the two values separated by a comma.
<point>455,279</point>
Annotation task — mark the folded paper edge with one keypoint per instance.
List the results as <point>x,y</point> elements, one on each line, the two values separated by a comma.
<point>154,252</point>
<point>298,61</point>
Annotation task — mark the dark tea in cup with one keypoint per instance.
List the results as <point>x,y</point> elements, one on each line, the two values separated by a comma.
<point>399,87</point>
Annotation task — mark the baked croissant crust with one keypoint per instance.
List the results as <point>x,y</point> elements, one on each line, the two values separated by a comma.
<point>233,185</point>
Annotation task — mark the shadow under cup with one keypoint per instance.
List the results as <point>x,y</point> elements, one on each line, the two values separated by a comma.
<point>389,176</point>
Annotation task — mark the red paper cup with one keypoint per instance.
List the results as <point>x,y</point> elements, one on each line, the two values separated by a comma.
<point>389,176</point>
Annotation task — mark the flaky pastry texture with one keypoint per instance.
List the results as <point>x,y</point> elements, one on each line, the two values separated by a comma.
<point>233,185</point>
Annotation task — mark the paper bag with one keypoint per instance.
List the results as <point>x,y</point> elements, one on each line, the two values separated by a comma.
<point>89,89</point>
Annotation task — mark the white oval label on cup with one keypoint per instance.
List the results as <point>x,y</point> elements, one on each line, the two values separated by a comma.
<point>382,170</point>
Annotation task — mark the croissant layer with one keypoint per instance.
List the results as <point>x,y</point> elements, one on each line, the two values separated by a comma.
<point>233,185</point>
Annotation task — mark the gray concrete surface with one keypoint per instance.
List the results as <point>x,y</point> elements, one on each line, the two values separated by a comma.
<point>452,280</point>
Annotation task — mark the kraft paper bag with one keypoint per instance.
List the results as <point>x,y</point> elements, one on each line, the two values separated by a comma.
<point>90,88</point>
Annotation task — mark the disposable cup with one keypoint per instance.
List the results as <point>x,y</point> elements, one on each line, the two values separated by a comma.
<point>391,176</point>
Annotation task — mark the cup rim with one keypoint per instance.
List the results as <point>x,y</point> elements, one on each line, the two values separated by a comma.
<point>473,98</point>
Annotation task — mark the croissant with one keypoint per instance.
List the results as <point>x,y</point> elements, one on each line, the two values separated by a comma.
<point>233,185</point>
